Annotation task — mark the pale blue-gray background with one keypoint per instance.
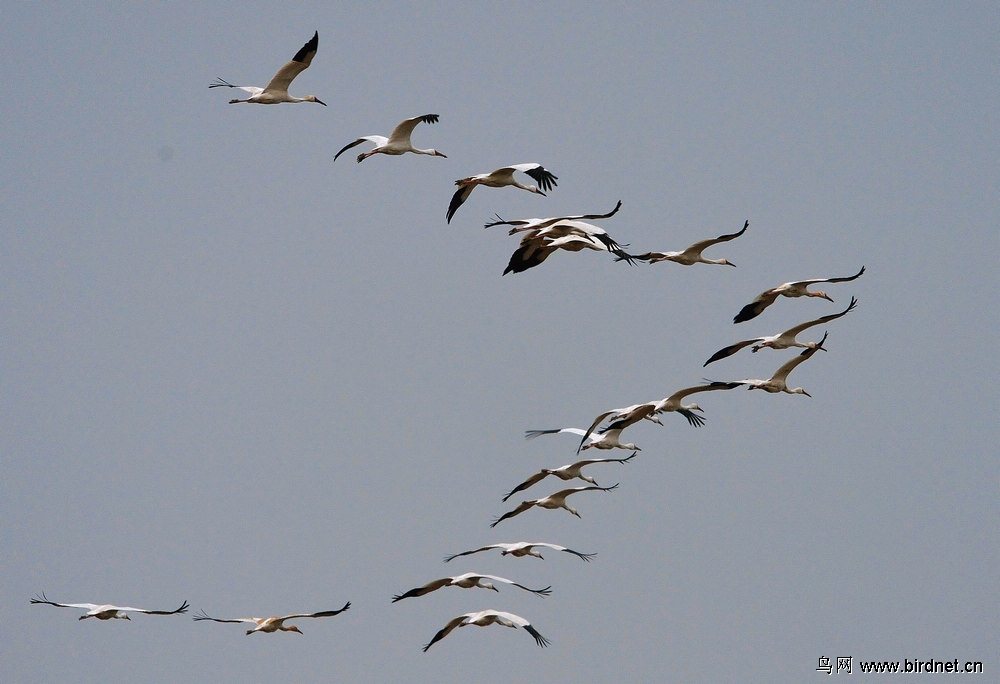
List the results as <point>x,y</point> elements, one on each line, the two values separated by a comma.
<point>237,373</point>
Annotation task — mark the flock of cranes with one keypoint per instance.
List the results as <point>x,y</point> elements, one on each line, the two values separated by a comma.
<point>539,238</point>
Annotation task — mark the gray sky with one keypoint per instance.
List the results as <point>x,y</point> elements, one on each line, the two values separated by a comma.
<point>237,373</point>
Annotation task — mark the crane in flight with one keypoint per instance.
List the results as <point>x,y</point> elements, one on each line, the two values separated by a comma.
<point>276,90</point>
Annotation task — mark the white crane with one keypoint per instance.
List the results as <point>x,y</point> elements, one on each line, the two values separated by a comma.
<point>552,502</point>
<point>623,417</point>
<point>796,288</point>
<point>692,255</point>
<point>484,618</point>
<point>539,243</point>
<point>673,402</point>
<point>521,549</point>
<point>529,224</point>
<point>778,382</point>
<point>275,624</point>
<point>607,438</point>
<point>620,419</point>
<point>782,340</point>
<point>398,141</point>
<point>276,91</point>
<point>499,179</point>
<point>106,611</point>
<point>468,580</point>
<point>569,471</point>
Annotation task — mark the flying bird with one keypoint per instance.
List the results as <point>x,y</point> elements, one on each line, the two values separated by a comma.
<point>552,502</point>
<point>623,417</point>
<point>673,402</point>
<point>520,549</point>
<point>538,244</point>
<point>468,581</point>
<point>274,624</point>
<point>778,382</point>
<point>276,91</point>
<point>528,224</point>
<point>488,617</point>
<point>692,255</point>
<point>106,611</point>
<point>797,288</point>
<point>607,438</point>
<point>501,178</point>
<point>398,141</point>
<point>620,419</point>
<point>567,472</point>
<point>781,340</point>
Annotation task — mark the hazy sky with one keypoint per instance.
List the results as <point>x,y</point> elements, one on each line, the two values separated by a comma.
<point>237,373</point>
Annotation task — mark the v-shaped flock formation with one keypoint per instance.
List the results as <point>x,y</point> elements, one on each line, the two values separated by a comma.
<point>539,238</point>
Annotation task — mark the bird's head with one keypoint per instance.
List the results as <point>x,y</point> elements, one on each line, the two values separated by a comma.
<point>727,263</point>
<point>534,189</point>
<point>799,390</point>
<point>438,154</point>
<point>631,446</point>
<point>588,478</point>
<point>694,407</point>
<point>313,98</point>
<point>487,585</point>
<point>757,347</point>
<point>124,616</point>
<point>822,295</point>
<point>293,628</point>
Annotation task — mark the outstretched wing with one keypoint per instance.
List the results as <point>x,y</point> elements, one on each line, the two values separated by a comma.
<point>525,505</point>
<point>353,144</point>
<point>839,280</point>
<point>469,553</point>
<point>537,477</point>
<point>300,62</point>
<point>698,247</point>
<point>583,556</point>
<point>458,199</point>
<point>201,615</point>
<point>545,222</point>
<point>782,373</point>
<point>446,630</point>
<point>517,620</point>
<point>324,613</point>
<point>545,591</point>
<point>730,350</point>
<point>754,308</point>
<point>425,589</point>
<point>822,319</point>
<point>42,598</point>
<point>182,609</point>
<point>546,181</point>
<point>402,132</point>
